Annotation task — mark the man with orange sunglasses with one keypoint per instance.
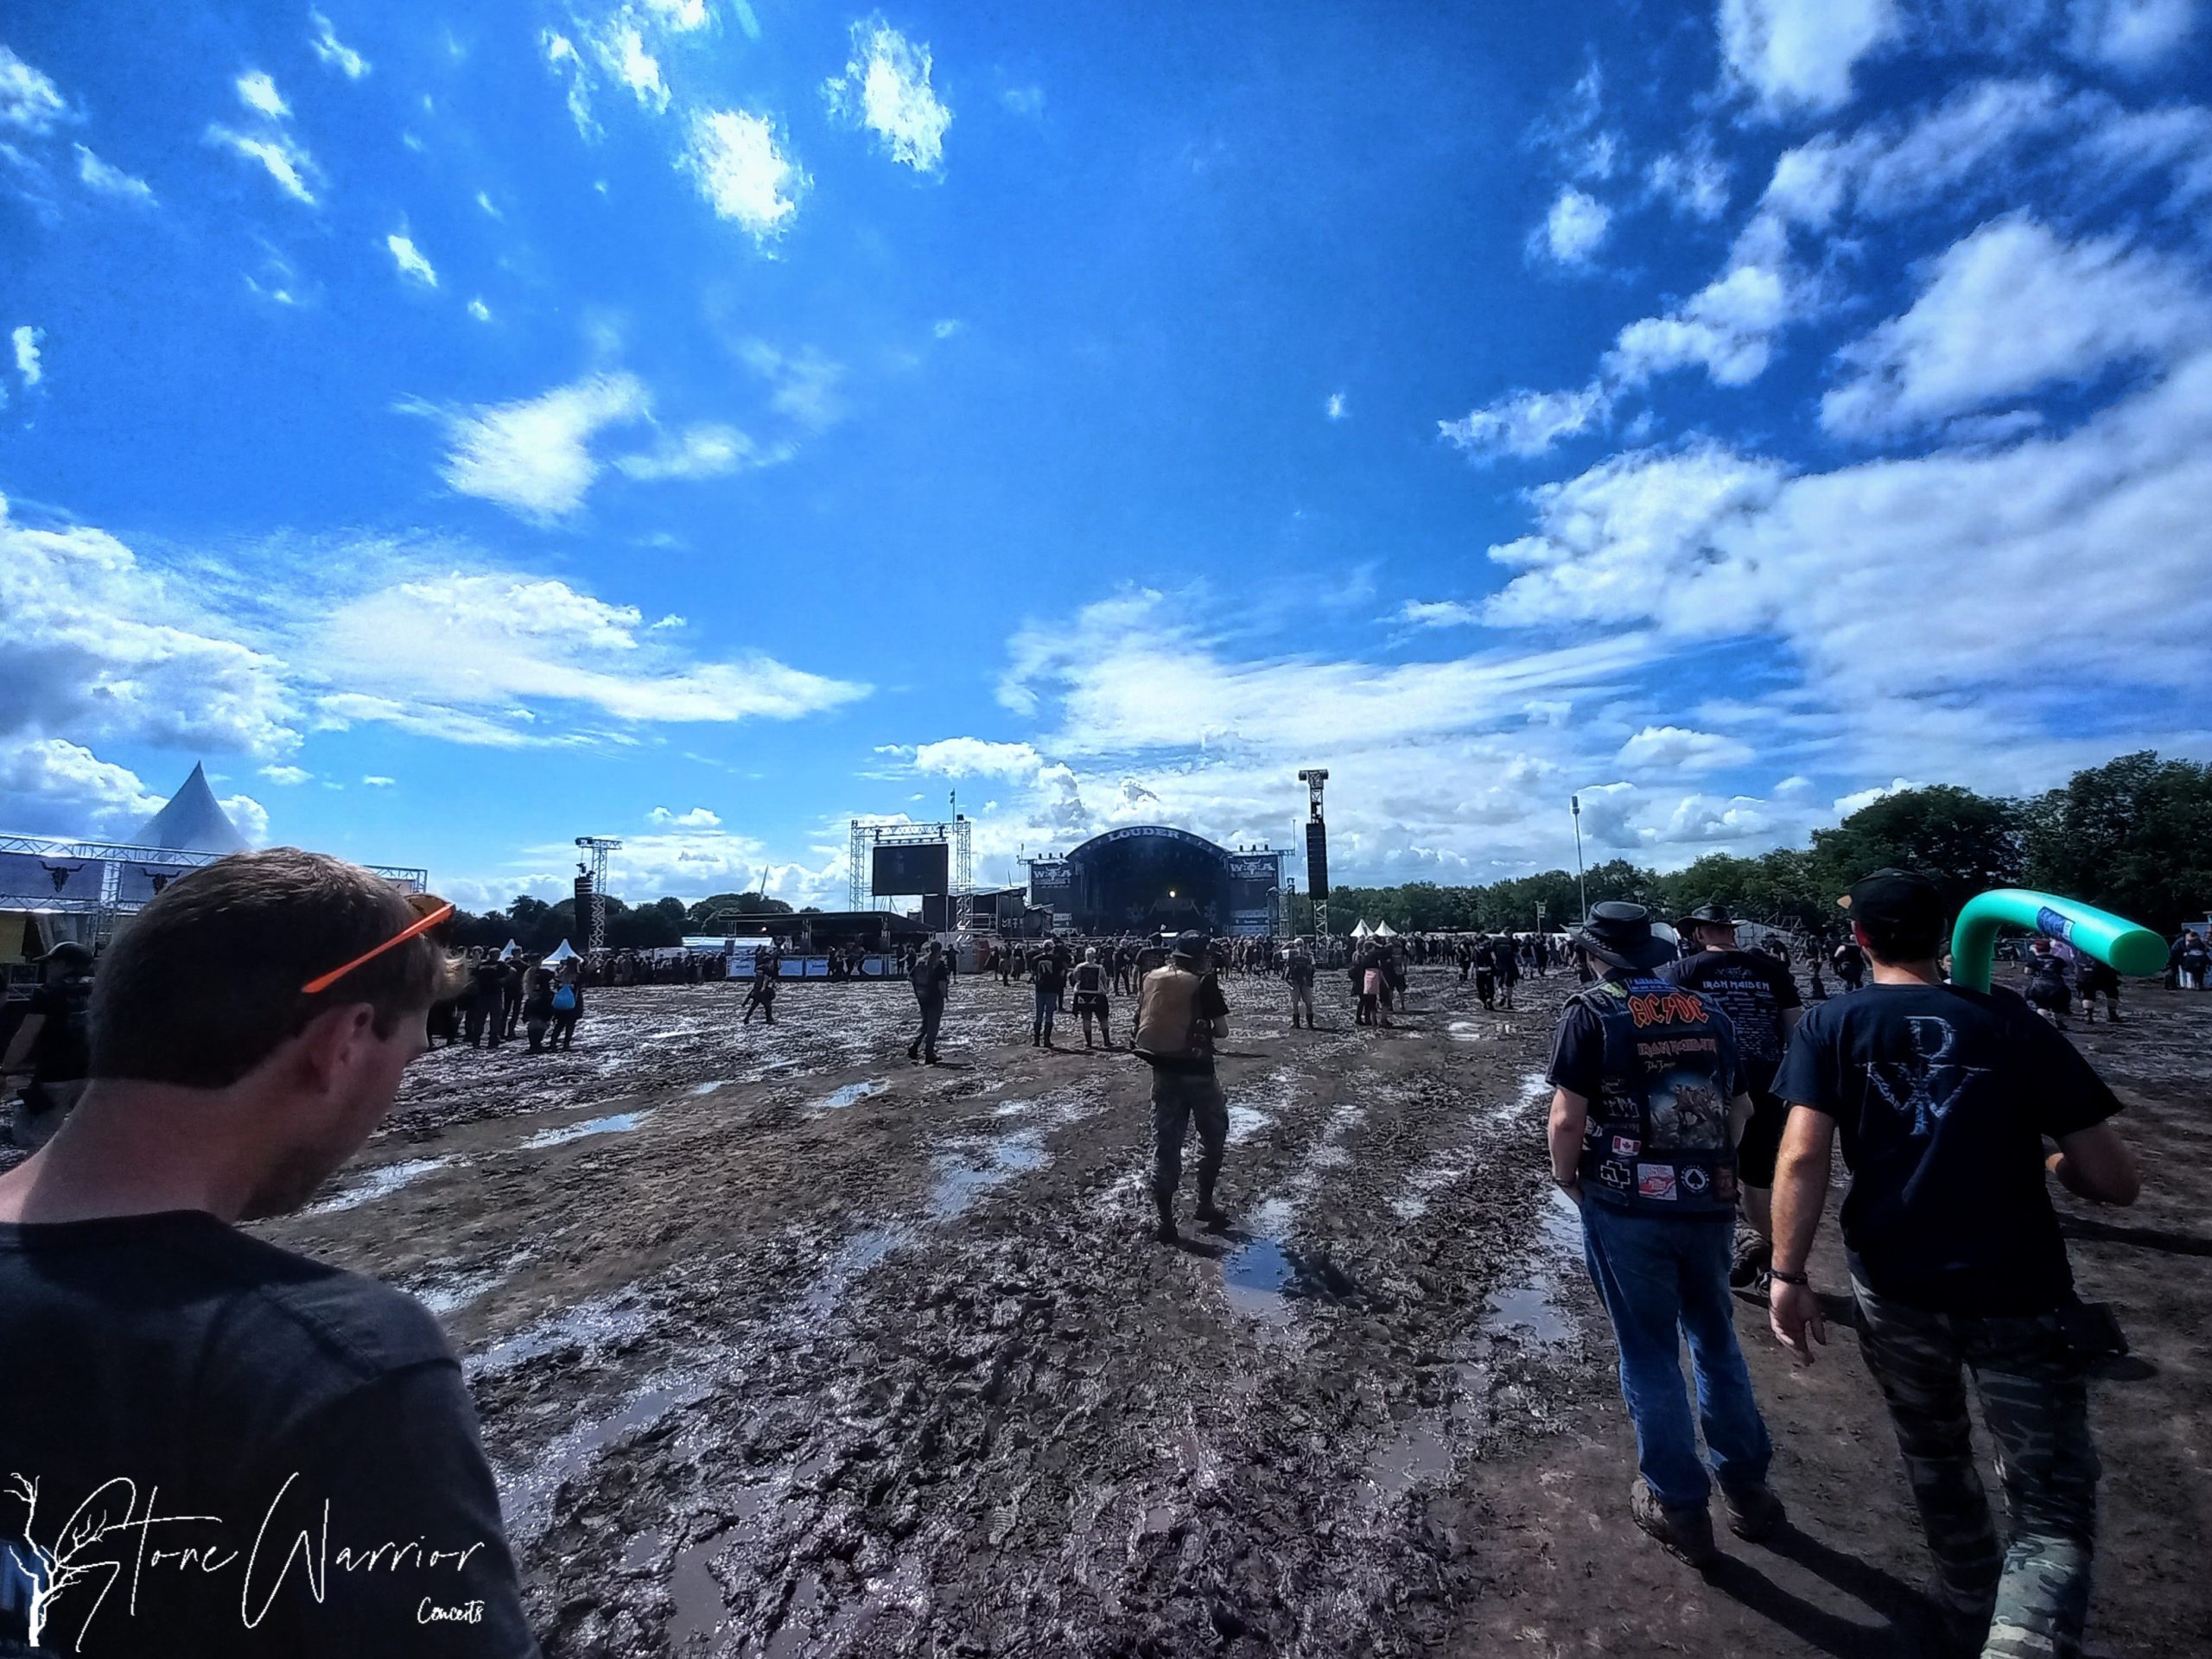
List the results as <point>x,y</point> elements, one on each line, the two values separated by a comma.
<point>221,1430</point>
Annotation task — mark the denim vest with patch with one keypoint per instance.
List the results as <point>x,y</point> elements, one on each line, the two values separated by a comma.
<point>1657,1142</point>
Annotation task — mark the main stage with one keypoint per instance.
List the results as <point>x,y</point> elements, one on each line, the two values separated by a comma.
<point>1147,877</point>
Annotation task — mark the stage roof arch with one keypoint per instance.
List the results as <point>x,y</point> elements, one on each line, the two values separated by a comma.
<point>1141,878</point>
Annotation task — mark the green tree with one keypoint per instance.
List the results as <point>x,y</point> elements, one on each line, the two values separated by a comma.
<point>1966,842</point>
<point>2134,835</point>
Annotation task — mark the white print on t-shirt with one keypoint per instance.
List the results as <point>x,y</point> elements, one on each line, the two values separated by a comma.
<point>1927,1086</point>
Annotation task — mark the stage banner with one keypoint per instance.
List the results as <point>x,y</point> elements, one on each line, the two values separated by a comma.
<point>1052,885</point>
<point>28,881</point>
<point>138,884</point>
<point>1254,878</point>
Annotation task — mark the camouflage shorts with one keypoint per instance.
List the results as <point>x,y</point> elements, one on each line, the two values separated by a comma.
<point>2034,1595</point>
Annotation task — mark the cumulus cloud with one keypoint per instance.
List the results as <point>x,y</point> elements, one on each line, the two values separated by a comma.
<point>29,101</point>
<point>1797,55</point>
<point>479,310</point>
<point>2007,310</point>
<point>621,51</point>
<point>1727,328</point>
<point>286,775</point>
<point>51,786</point>
<point>1676,748</point>
<point>1693,181</point>
<point>970,757</point>
<point>1528,422</point>
<point>534,457</point>
<point>742,167</point>
<point>698,818</point>
<point>1336,408</point>
<point>886,88</point>
<point>410,260</point>
<point>97,175</point>
<point>334,52</point>
<point>1574,229</point>
<point>259,92</point>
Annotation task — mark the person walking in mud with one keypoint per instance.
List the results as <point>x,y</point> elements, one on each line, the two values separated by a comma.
<point>1180,1011</point>
<point>760,997</point>
<point>932,979</point>
<point>1647,1103</point>
<point>1298,973</point>
<point>1089,988</point>
<point>1047,979</point>
<point>1486,974</point>
<point>567,1007</point>
<point>1944,1098</point>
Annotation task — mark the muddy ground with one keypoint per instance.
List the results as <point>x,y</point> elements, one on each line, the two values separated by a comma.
<point>786,1346</point>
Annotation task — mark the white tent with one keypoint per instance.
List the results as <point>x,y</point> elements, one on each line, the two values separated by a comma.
<point>1360,930</point>
<point>1384,931</point>
<point>508,953</point>
<point>560,953</point>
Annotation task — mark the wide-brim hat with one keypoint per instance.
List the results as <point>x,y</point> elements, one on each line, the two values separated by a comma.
<point>1193,947</point>
<point>1621,933</point>
<point>1711,913</point>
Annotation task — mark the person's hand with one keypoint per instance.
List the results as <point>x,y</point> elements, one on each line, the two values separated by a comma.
<point>1572,1187</point>
<point>1795,1314</point>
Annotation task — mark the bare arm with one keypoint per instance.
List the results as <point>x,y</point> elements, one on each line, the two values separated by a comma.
<point>1570,1117</point>
<point>2095,1164</point>
<point>1800,1189</point>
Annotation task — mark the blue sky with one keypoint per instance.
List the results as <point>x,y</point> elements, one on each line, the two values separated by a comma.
<point>702,421</point>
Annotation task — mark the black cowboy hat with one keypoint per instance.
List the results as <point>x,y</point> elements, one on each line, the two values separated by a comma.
<point>1621,933</point>
<point>1194,947</point>
<point>1713,913</point>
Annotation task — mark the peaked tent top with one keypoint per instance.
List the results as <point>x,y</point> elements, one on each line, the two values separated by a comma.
<point>1384,931</point>
<point>562,952</point>
<point>191,822</point>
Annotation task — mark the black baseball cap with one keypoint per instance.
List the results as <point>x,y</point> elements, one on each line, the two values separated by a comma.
<point>1894,898</point>
<point>68,954</point>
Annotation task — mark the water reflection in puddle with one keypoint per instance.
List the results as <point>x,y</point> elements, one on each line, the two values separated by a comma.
<point>1255,1276</point>
<point>377,1184</point>
<point>851,1094</point>
<point>1244,1123</point>
<point>618,1123</point>
<point>959,1183</point>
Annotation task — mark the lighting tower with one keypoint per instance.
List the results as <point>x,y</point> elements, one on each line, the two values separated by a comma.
<point>599,847</point>
<point>1317,849</point>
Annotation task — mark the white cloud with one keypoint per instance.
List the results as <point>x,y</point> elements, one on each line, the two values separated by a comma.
<point>1023,100</point>
<point>2128,35</point>
<point>26,339</point>
<point>621,50</point>
<point>886,88</point>
<point>1676,748</point>
<point>470,654</point>
<point>2007,310</point>
<point>1693,181</point>
<point>286,163</point>
<point>106,648</point>
<point>334,51</point>
<point>376,781</point>
<point>259,92</point>
<point>28,100</point>
<point>479,310</point>
<point>698,818</point>
<point>562,61</point>
<point>706,451</point>
<point>1860,799</point>
<point>287,776</point>
<point>682,15</point>
<point>534,457</point>
<point>484,200</point>
<point>410,260</point>
<point>1727,328</point>
<point>1574,228</point>
<point>1440,613</point>
<point>970,757</point>
<point>1528,422</point>
<point>1798,54</point>
<point>51,786</point>
<point>1335,409</point>
<point>803,384</point>
<point>96,175</point>
<point>743,169</point>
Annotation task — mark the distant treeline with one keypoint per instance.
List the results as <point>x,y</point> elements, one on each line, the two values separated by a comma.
<point>536,927</point>
<point>2133,836</point>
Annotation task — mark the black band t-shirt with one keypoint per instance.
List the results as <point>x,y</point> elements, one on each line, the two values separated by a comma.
<point>1754,990</point>
<point>213,1446</point>
<point>1943,1097</point>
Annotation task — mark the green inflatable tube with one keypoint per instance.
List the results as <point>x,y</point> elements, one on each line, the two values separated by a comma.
<point>2113,940</point>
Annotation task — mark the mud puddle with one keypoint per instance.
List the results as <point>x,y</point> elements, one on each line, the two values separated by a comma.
<point>613,1123</point>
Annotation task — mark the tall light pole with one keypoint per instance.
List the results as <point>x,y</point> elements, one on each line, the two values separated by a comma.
<point>1581,888</point>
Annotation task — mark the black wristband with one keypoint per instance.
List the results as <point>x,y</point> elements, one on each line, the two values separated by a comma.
<point>1782,1276</point>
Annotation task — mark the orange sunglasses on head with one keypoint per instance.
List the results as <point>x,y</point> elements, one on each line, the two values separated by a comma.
<point>424,924</point>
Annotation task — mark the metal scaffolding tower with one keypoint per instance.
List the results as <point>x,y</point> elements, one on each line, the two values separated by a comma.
<point>1317,848</point>
<point>600,846</point>
<point>958,836</point>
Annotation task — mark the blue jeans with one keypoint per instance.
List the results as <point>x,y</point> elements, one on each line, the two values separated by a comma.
<point>1048,1003</point>
<point>1660,1279</point>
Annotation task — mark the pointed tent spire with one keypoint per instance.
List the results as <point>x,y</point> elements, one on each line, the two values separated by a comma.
<point>191,822</point>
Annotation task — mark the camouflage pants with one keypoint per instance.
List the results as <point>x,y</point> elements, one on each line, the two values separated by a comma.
<point>1180,1099</point>
<point>2034,1595</point>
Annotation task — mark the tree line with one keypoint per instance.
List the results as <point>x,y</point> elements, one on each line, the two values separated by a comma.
<point>2133,836</point>
<point>537,927</point>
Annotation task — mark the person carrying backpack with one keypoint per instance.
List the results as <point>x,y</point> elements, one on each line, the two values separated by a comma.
<point>567,1007</point>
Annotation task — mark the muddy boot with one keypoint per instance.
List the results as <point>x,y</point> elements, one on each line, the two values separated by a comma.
<point>1166,1231</point>
<point>1210,1215</point>
<point>1755,1514</point>
<point>1686,1533</point>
